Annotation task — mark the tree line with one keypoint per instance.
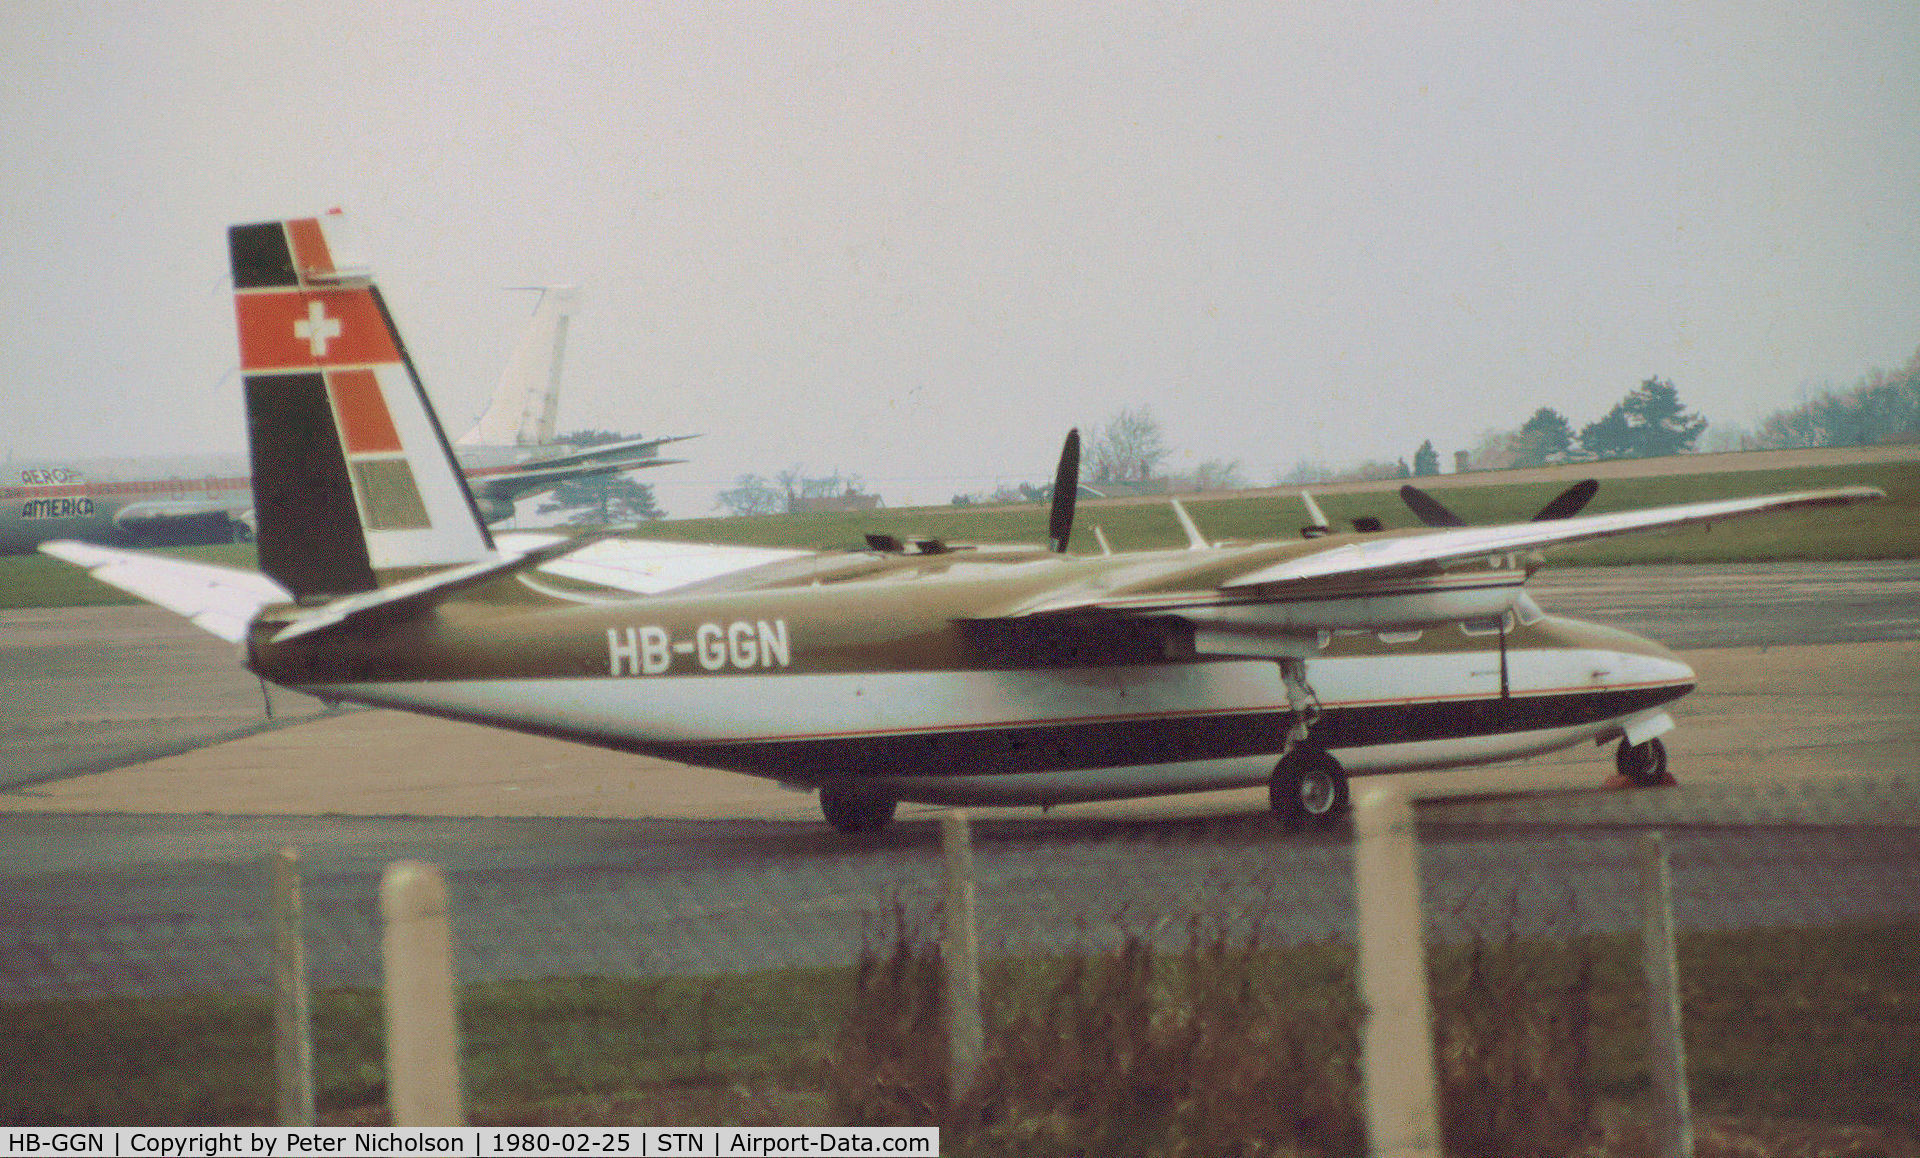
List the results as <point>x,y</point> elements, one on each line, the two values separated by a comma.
<point>1650,422</point>
<point>1131,447</point>
<point>754,494</point>
<point>1882,407</point>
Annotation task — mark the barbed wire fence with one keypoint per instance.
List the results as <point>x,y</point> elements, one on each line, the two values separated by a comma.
<point>1520,871</point>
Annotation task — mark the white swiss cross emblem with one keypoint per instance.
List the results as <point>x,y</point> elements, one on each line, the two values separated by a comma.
<point>316,329</point>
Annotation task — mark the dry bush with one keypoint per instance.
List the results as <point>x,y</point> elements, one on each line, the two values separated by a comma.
<point>1513,1049</point>
<point>1127,1051</point>
<point>1222,1047</point>
<point>889,1063</point>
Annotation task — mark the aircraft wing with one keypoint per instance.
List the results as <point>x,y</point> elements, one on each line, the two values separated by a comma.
<point>1391,565</point>
<point>648,566</point>
<point>509,485</point>
<point>634,448</point>
<point>1386,558</point>
<point>222,600</point>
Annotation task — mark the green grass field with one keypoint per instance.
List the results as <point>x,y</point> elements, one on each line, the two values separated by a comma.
<point>1889,529</point>
<point>1793,1024</point>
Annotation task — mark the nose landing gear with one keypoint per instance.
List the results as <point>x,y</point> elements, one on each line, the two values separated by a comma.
<point>853,810</point>
<point>1643,765</point>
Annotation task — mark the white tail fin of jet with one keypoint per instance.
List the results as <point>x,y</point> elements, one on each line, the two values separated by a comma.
<point>353,480</point>
<point>527,400</point>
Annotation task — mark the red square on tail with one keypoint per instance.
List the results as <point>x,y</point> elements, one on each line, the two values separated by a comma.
<point>365,425</point>
<point>302,329</point>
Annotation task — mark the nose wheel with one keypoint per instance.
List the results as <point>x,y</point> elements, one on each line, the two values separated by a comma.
<point>1308,789</point>
<point>852,810</point>
<point>1643,765</point>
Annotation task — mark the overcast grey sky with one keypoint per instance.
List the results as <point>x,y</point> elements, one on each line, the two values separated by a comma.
<point>917,243</point>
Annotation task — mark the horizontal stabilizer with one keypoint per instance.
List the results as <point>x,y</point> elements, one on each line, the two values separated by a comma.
<point>405,598</point>
<point>650,566</point>
<point>222,600</point>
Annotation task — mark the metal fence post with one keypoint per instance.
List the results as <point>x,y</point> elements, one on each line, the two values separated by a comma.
<point>292,1016</point>
<point>1397,1030</point>
<point>1667,1053</point>
<point>423,1044</point>
<point>960,956</point>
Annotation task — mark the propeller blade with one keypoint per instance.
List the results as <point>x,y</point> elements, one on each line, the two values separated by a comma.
<point>1570,501</point>
<point>1066,489</point>
<point>1428,509</point>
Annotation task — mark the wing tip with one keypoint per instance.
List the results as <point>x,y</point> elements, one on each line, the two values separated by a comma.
<point>79,554</point>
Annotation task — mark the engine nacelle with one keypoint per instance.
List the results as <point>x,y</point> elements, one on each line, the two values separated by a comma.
<point>1283,627</point>
<point>493,510</point>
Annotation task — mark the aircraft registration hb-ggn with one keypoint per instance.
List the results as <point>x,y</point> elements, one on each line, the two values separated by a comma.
<point>910,670</point>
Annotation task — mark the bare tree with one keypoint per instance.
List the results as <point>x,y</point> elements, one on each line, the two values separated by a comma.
<point>1882,407</point>
<point>751,495</point>
<point>790,482</point>
<point>1219,475</point>
<point>1128,448</point>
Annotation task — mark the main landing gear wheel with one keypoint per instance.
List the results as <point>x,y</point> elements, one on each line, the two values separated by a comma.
<point>1308,788</point>
<point>852,810</point>
<point>1645,765</point>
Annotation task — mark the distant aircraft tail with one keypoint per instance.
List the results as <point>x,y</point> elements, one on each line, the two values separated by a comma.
<point>527,400</point>
<point>354,484</point>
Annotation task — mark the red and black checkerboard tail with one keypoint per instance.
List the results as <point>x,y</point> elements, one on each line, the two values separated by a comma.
<point>354,484</point>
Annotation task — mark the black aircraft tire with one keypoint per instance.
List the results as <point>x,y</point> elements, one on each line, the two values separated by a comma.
<point>1308,788</point>
<point>1644,764</point>
<point>851,810</point>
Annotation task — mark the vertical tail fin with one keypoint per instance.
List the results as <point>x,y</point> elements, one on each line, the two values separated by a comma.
<point>527,400</point>
<point>352,475</point>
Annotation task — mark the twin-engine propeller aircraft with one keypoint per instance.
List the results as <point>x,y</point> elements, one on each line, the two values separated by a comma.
<point>912,670</point>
